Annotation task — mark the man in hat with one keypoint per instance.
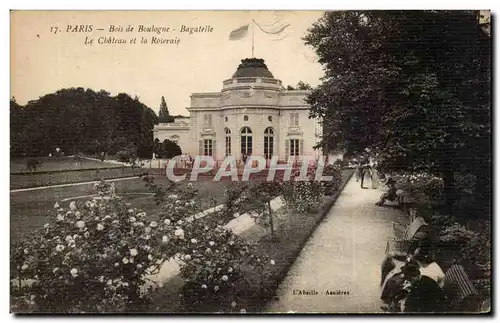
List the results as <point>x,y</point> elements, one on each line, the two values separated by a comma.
<point>390,195</point>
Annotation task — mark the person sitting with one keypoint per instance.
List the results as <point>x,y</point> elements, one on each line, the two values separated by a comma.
<point>390,195</point>
<point>424,295</point>
<point>428,267</point>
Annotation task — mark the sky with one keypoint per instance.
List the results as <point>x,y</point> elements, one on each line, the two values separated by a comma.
<point>44,60</point>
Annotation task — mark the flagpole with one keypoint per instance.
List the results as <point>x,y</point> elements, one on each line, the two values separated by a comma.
<point>253,23</point>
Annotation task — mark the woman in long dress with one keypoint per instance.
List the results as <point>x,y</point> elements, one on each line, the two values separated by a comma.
<point>375,179</point>
<point>367,176</point>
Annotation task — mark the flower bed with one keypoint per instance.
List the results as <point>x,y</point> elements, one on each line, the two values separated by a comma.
<point>95,256</point>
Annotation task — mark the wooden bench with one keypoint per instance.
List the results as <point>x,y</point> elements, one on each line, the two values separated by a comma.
<point>398,246</point>
<point>461,294</point>
<point>407,202</point>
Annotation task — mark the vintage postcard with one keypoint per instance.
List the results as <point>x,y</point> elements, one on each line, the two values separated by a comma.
<point>250,162</point>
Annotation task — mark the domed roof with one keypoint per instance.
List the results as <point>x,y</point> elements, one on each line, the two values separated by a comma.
<point>252,67</point>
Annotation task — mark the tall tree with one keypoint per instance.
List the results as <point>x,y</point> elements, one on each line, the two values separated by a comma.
<point>412,85</point>
<point>164,115</point>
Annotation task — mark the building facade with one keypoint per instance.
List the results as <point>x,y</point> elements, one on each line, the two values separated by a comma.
<point>253,114</point>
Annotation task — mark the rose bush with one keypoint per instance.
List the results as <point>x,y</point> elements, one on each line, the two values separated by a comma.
<point>93,257</point>
<point>302,195</point>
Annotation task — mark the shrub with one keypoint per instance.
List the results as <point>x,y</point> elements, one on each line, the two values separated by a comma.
<point>215,268</point>
<point>213,261</point>
<point>32,164</point>
<point>92,258</point>
<point>302,195</point>
<point>333,186</point>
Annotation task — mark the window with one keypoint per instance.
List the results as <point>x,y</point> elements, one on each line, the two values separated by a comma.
<point>294,119</point>
<point>207,120</point>
<point>228,141</point>
<point>268,143</point>
<point>294,147</point>
<point>270,118</point>
<point>225,119</point>
<point>207,147</point>
<point>245,118</point>
<point>246,141</point>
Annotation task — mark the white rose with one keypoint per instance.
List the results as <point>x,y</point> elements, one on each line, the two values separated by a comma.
<point>233,304</point>
<point>225,278</point>
<point>74,272</point>
<point>59,247</point>
<point>153,224</point>
<point>147,230</point>
<point>72,206</point>
<point>194,240</point>
<point>100,227</point>
<point>167,221</point>
<point>164,239</point>
<point>56,205</point>
<point>109,282</point>
<point>230,270</point>
<point>116,264</point>
<point>150,257</point>
<point>204,286</point>
<point>187,257</point>
<point>125,260</point>
<point>24,267</point>
<point>139,266</point>
<point>60,217</point>
<point>86,234</point>
<point>272,262</point>
<point>46,225</point>
<point>180,222</point>
<point>243,310</point>
<point>133,252</point>
<point>132,219</point>
<point>216,288</point>
<point>80,224</point>
<point>55,270</point>
<point>179,233</point>
<point>211,243</point>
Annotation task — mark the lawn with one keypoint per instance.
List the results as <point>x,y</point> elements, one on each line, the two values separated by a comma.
<point>26,180</point>
<point>49,164</point>
<point>30,210</point>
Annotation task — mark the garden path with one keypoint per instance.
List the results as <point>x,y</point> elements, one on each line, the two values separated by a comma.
<point>343,254</point>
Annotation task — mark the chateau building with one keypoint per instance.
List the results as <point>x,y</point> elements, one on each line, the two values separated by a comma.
<point>253,114</point>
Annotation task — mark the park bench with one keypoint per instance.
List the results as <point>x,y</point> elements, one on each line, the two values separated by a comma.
<point>397,247</point>
<point>461,294</point>
<point>406,201</point>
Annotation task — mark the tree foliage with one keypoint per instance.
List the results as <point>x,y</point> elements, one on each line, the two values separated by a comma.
<point>412,85</point>
<point>79,120</point>
<point>163,115</point>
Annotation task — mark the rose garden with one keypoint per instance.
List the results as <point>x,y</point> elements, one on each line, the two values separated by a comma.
<point>103,229</point>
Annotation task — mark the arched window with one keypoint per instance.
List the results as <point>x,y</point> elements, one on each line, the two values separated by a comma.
<point>246,141</point>
<point>268,142</point>
<point>228,141</point>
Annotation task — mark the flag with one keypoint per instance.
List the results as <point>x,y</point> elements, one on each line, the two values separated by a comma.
<point>279,30</point>
<point>239,33</point>
<point>276,31</point>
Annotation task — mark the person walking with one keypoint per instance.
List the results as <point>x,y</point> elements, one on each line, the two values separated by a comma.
<point>366,176</point>
<point>356,172</point>
<point>362,174</point>
<point>375,178</point>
